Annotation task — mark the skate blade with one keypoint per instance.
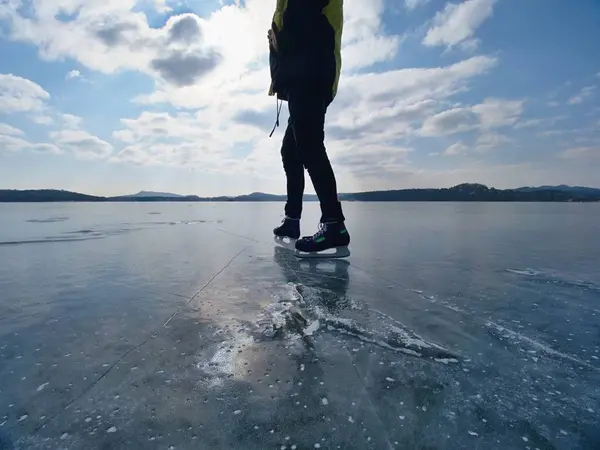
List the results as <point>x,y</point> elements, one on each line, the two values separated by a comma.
<point>285,242</point>
<point>338,252</point>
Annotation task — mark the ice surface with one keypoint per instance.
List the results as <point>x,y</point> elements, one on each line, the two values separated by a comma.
<point>197,331</point>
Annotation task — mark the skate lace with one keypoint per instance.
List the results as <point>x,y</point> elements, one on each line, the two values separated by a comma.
<point>321,231</point>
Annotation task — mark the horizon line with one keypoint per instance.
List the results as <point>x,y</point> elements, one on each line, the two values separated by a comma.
<point>313,194</point>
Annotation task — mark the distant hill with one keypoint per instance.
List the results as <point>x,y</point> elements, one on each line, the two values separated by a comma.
<point>466,192</point>
<point>154,198</point>
<point>259,197</point>
<point>45,195</point>
<point>561,187</point>
<point>155,194</point>
<point>471,192</point>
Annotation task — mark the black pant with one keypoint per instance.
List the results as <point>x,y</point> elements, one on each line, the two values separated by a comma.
<point>304,147</point>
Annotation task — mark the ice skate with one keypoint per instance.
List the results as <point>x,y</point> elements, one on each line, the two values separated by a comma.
<point>331,241</point>
<point>287,233</point>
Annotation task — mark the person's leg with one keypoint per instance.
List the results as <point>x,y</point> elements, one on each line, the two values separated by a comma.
<point>294,173</point>
<point>307,118</point>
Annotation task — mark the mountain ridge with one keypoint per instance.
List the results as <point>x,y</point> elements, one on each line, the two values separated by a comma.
<point>460,192</point>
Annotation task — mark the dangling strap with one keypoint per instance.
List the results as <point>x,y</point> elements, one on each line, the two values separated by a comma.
<point>279,105</point>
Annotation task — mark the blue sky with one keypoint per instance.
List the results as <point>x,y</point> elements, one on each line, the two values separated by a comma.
<point>112,97</point>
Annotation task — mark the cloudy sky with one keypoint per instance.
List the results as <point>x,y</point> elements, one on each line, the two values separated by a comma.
<point>115,96</point>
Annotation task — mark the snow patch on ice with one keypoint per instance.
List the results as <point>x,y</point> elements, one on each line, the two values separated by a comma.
<point>446,360</point>
<point>223,363</point>
<point>314,326</point>
<point>526,272</point>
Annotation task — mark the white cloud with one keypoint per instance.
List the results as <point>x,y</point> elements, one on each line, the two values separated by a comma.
<point>43,120</point>
<point>492,113</point>
<point>73,74</point>
<point>10,130</point>
<point>19,94</point>
<point>109,35</point>
<point>532,123</point>
<point>484,142</point>
<point>583,95</point>
<point>11,143</point>
<point>581,154</point>
<point>458,22</point>
<point>457,148</point>
<point>488,140</point>
<point>413,4</point>
<point>470,45</point>
<point>371,113</point>
<point>15,144</point>
<point>71,121</point>
<point>82,144</point>
<point>161,6</point>
<point>456,120</point>
<point>368,51</point>
<point>496,113</point>
<point>45,148</point>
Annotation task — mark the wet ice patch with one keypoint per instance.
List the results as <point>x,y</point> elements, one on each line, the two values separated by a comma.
<point>555,278</point>
<point>514,336</point>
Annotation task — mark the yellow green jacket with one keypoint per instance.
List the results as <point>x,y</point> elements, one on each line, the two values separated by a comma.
<point>305,49</point>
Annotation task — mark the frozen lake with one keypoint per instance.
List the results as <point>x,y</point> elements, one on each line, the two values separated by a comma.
<point>183,326</point>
